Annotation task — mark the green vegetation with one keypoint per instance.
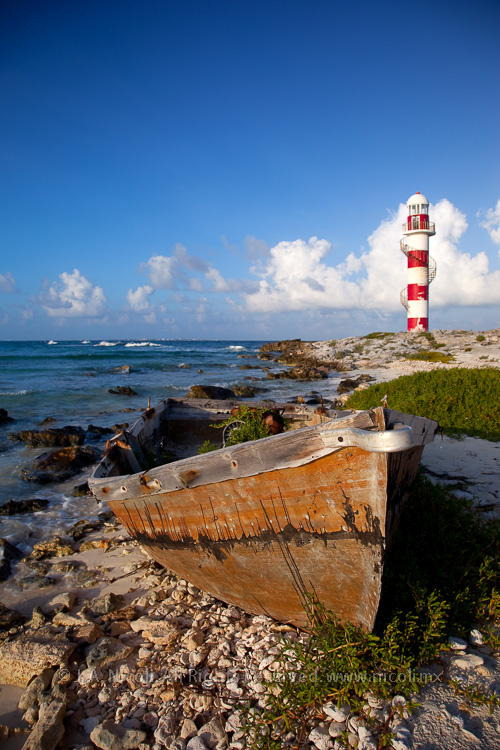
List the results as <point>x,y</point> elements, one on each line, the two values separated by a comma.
<point>480,337</point>
<point>430,338</point>
<point>207,446</point>
<point>464,402</point>
<point>251,427</point>
<point>427,356</point>
<point>247,424</point>
<point>378,335</point>
<point>431,590</point>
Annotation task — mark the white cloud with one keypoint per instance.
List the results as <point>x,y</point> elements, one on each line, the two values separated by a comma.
<point>138,299</point>
<point>220,284</point>
<point>492,223</point>
<point>298,277</point>
<point>7,282</point>
<point>74,296</point>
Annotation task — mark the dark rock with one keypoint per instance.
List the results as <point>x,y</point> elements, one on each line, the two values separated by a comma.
<point>15,507</point>
<point>96,430</point>
<point>53,437</point>
<point>81,490</point>
<point>245,391</point>
<point>37,580</point>
<point>122,390</point>
<point>4,417</point>
<point>58,465</point>
<point>306,372</point>
<point>122,368</point>
<point>9,618</point>
<point>47,420</point>
<point>184,366</point>
<point>68,566</point>
<point>210,391</point>
<point>82,528</point>
<point>348,384</point>
<point>119,427</point>
<point>247,367</point>
<point>8,554</point>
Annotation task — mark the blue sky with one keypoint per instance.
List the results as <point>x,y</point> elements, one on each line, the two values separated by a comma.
<point>237,169</point>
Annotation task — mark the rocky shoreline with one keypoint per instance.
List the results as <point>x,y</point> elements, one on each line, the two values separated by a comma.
<point>133,657</point>
<point>100,647</point>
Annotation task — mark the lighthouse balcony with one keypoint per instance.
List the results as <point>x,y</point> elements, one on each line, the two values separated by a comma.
<point>419,224</point>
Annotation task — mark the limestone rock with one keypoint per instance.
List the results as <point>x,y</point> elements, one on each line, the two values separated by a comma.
<point>110,736</point>
<point>61,603</point>
<point>30,653</point>
<point>107,603</point>
<point>106,650</point>
<point>54,547</point>
<point>49,729</point>
<point>36,687</point>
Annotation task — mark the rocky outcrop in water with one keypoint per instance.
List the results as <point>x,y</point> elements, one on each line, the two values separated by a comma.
<point>122,390</point>
<point>210,391</point>
<point>53,437</point>
<point>16,507</point>
<point>8,554</point>
<point>58,465</point>
<point>4,417</point>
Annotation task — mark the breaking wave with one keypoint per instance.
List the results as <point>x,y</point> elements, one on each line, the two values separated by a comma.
<point>108,343</point>
<point>141,343</point>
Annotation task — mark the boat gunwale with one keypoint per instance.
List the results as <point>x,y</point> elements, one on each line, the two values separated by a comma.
<point>325,438</point>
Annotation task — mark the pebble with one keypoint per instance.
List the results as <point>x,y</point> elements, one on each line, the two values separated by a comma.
<point>457,644</point>
<point>196,743</point>
<point>468,661</point>
<point>321,738</point>
<point>337,713</point>
<point>476,638</point>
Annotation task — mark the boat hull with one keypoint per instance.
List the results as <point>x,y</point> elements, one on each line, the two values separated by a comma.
<point>271,542</point>
<point>276,524</point>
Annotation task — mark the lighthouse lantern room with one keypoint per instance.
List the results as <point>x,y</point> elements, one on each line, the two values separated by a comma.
<point>421,267</point>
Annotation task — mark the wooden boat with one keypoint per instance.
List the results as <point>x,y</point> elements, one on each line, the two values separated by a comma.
<point>267,524</point>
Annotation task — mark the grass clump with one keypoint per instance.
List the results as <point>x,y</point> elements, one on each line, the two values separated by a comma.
<point>480,337</point>
<point>378,335</point>
<point>247,424</point>
<point>428,356</point>
<point>463,401</point>
<point>431,590</point>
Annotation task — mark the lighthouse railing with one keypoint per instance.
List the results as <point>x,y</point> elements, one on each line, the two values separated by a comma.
<point>416,223</point>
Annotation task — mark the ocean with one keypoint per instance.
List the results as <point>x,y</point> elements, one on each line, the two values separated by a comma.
<point>70,381</point>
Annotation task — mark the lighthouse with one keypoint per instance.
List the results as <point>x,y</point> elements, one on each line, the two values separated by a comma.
<point>421,267</point>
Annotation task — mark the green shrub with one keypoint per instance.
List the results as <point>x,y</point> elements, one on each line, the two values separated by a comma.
<point>207,446</point>
<point>378,335</point>
<point>480,337</point>
<point>463,401</point>
<point>427,356</point>
<point>251,426</point>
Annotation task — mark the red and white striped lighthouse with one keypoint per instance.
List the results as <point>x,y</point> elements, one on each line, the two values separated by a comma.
<point>421,267</point>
